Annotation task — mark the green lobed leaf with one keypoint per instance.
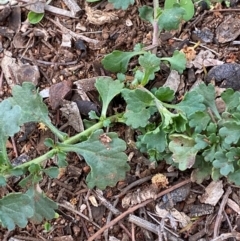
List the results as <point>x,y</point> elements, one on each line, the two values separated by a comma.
<point>138,107</point>
<point>230,132</point>
<point>15,209</point>
<point>187,5</point>
<point>183,149</point>
<point>33,108</point>
<point>231,98</point>
<point>208,154</point>
<point>104,153</point>
<point>117,61</point>
<point>44,208</point>
<point>201,142</point>
<point>61,159</point>
<point>235,177</point>
<point>196,123</point>
<point>151,64</point>
<point>121,4</point>
<point>108,89</point>
<point>155,140</point>
<point>208,94</point>
<point>164,94</point>
<point>9,118</point>
<point>49,142</point>
<point>177,61</point>
<point>52,172</point>
<point>146,13</point>
<point>202,170</point>
<point>191,103</point>
<point>171,18</point>
<point>223,163</point>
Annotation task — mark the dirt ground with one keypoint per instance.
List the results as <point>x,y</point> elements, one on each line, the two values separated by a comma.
<point>83,212</point>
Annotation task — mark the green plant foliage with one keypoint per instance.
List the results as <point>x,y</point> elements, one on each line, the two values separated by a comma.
<point>183,149</point>
<point>106,158</point>
<point>9,119</point>
<point>187,5</point>
<point>108,89</point>
<point>171,18</point>
<point>121,4</point>
<point>192,103</point>
<point>177,61</point>
<point>44,208</point>
<point>117,61</point>
<point>35,18</point>
<point>15,209</point>
<point>146,13</point>
<point>139,107</point>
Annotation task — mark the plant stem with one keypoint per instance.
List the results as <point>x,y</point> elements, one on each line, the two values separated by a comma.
<point>155,25</point>
<point>90,130</point>
<point>69,141</point>
<point>61,135</point>
<point>38,160</point>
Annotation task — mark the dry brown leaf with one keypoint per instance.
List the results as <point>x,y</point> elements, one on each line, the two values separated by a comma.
<point>99,17</point>
<point>213,193</point>
<point>140,196</point>
<point>58,92</point>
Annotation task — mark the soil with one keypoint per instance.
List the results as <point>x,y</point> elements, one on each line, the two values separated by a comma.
<point>57,59</point>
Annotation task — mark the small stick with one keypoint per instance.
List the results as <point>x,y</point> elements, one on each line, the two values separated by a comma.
<point>74,35</point>
<point>74,8</point>
<point>201,45</point>
<point>79,213</point>
<point>220,211</point>
<point>59,11</point>
<point>1,84</point>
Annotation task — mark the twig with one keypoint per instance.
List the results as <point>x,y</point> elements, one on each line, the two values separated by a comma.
<point>201,45</point>
<point>88,205</point>
<point>134,208</point>
<point>144,223</point>
<point>133,232</point>
<point>27,238</point>
<point>109,219</point>
<point>14,146</point>
<point>59,11</point>
<point>108,205</point>
<point>74,8</point>
<point>132,185</point>
<point>220,211</point>
<point>80,214</point>
<point>74,35</point>
<point>225,236</point>
<point>125,229</point>
<point>1,84</point>
<point>42,62</point>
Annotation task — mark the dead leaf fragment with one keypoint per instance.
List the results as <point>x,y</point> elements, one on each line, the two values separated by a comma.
<point>93,201</point>
<point>213,193</point>
<point>173,81</point>
<point>58,92</point>
<point>228,30</point>
<point>27,73</point>
<point>71,112</point>
<point>234,206</point>
<point>98,17</point>
<point>139,196</point>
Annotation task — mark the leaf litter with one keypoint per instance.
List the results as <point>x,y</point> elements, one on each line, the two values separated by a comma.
<point>52,70</point>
